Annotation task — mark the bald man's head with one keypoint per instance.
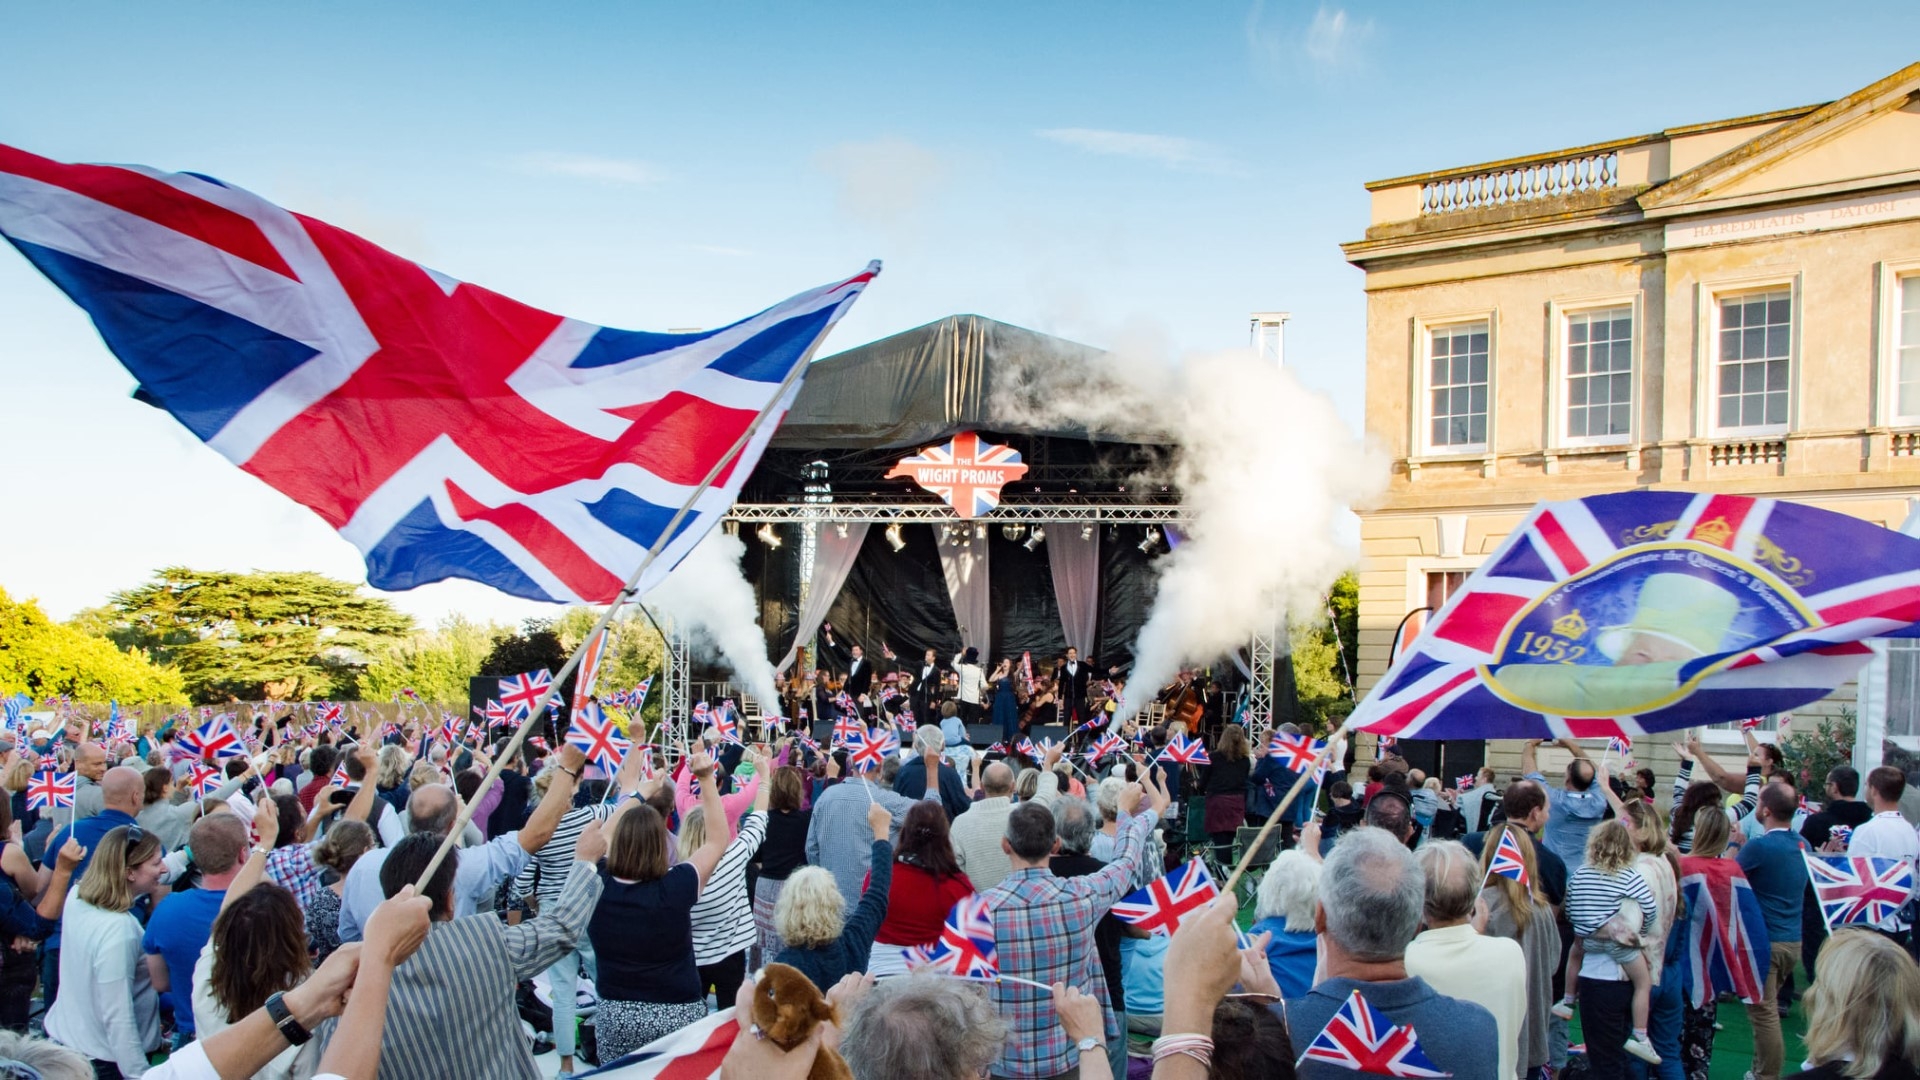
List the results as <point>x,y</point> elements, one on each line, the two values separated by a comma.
<point>997,780</point>
<point>432,808</point>
<point>123,789</point>
<point>90,760</point>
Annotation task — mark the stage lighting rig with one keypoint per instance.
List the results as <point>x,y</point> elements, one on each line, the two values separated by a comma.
<point>894,538</point>
<point>767,535</point>
<point>1033,542</point>
<point>1153,537</point>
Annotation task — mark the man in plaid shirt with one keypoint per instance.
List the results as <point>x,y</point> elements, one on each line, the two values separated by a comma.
<point>1043,930</point>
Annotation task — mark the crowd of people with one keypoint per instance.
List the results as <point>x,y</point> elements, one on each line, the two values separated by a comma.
<point>271,926</point>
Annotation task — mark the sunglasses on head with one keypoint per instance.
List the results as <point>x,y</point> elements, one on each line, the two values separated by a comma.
<point>135,834</point>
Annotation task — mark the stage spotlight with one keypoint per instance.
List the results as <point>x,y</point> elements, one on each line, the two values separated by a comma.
<point>1034,541</point>
<point>946,534</point>
<point>979,532</point>
<point>893,537</point>
<point>1013,531</point>
<point>767,535</point>
<point>1086,533</point>
<point>1153,537</point>
<point>841,528</point>
<point>730,527</point>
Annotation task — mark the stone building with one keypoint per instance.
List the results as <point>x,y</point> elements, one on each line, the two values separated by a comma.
<point>1731,306</point>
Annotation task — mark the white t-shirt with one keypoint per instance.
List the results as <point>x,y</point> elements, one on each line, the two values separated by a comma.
<point>1886,835</point>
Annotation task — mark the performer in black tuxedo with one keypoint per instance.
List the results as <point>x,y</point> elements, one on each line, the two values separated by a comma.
<point>1073,677</point>
<point>926,687</point>
<point>860,669</point>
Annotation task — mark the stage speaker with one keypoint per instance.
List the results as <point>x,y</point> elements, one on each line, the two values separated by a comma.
<point>823,732</point>
<point>983,735</point>
<point>1040,732</point>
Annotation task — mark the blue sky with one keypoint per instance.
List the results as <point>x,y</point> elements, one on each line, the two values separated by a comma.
<point>1094,171</point>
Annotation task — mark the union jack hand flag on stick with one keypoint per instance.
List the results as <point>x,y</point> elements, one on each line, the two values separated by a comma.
<point>340,778</point>
<point>1184,751</point>
<point>726,725</point>
<point>1025,746</point>
<point>1465,783</point>
<point>522,692</point>
<point>866,751</point>
<point>846,729</point>
<point>1104,745</point>
<point>1507,861</point>
<point>965,946</point>
<point>214,740</point>
<point>1752,722</point>
<point>1859,889</point>
<point>1295,752</point>
<point>203,781</point>
<point>594,733</point>
<point>1159,908</point>
<point>444,430</point>
<point>49,790</point>
<point>1362,1038</point>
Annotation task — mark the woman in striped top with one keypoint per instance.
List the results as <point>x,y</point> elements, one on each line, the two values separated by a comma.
<point>1690,795</point>
<point>723,918</point>
<point>543,878</point>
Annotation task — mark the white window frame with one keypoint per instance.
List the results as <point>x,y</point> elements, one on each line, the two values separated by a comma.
<point>1886,344</point>
<point>1706,374</point>
<point>1422,352</point>
<point>1909,740</point>
<point>1559,371</point>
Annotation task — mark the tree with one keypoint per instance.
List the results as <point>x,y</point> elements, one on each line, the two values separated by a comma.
<point>282,636</point>
<point>638,652</point>
<point>42,658</point>
<point>1323,654</point>
<point>435,663</point>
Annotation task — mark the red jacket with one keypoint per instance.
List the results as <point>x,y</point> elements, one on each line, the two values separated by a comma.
<point>917,905</point>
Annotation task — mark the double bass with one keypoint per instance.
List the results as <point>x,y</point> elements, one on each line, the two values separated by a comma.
<point>1182,698</point>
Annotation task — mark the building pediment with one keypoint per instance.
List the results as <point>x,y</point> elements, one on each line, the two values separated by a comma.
<point>1866,140</point>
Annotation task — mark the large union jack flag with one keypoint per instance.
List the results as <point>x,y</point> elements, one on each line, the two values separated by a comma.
<point>966,472</point>
<point>1726,932</point>
<point>1362,1038</point>
<point>444,430</point>
<point>965,946</point>
<point>1648,611</point>
<point>1160,906</point>
<point>1859,888</point>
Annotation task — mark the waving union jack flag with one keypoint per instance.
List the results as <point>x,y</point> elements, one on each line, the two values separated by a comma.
<point>597,737</point>
<point>726,725</point>
<point>214,740</point>
<point>965,946</point>
<point>1726,933</point>
<point>444,430</point>
<point>1508,861</point>
<point>1362,1038</point>
<point>1859,889</point>
<point>1184,751</point>
<point>847,728</point>
<point>48,790</point>
<point>1104,745</point>
<point>1160,906</point>
<point>1295,752</point>
<point>204,781</point>
<point>866,750</point>
<point>523,691</point>
<point>1647,611</point>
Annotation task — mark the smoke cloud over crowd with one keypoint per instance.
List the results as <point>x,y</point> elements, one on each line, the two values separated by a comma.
<point>1266,468</point>
<point>708,595</point>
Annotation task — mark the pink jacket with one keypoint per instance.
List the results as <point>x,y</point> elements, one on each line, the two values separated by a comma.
<point>735,804</point>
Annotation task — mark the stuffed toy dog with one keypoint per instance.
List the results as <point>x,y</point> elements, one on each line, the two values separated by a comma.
<point>787,1007</point>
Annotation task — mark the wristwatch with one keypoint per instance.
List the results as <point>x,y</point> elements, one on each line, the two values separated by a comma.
<point>283,1019</point>
<point>1089,1044</point>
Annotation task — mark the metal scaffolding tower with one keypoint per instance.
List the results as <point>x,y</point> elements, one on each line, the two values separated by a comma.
<point>679,680</point>
<point>1261,656</point>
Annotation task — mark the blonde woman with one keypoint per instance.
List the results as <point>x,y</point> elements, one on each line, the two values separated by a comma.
<point>1863,1015</point>
<point>107,1008</point>
<point>1522,914</point>
<point>820,938</point>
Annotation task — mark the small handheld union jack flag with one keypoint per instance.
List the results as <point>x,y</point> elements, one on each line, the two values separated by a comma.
<point>331,713</point>
<point>1752,722</point>
<point>214,740</point>
<point>203,781</point>
<point>1465,783</point>
<point>702,714</point>
<point>1160,906</point>
<point>1295,752</point>
<point>1026,748</point>
<point>1620,744</point>
<point>1507,861</point>
<point>48,790</point>
<point>340,778</point>
<point>846,729</point>
<point>523,691</point>
<point>597,737</point>
<point>1859,889</point>
<point>1842,833</point>
<point>1361,1038</point>
<point>1184,751</point>
<point>965,946</point>
<point>726,726</point>
<point>1104,745</point>
<point>866,751</point>
<point>997,748</point>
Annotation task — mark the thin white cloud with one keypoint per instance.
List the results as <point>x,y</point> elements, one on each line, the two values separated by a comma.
<point>1332,42</point>
<point>1172,151</point>
<point>884,182</point>
<point>605,170</point>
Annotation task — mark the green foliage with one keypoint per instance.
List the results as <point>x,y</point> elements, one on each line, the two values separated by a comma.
<point>43,658</point>
<point>637,651</point>
<point>1322,680</point>
<point>1811,754</point>
<point>284,636</point>
<point>435,663</point>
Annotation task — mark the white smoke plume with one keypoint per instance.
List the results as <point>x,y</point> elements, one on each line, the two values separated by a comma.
<point>1265,467</point>
<point>710,596</point>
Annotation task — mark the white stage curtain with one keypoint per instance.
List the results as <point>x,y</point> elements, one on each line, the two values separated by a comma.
<point>1074,555</point>
<point>832,560</point>
<point>963,560</point>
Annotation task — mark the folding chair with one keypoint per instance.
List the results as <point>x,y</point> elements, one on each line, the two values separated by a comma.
<point>1257,866</point>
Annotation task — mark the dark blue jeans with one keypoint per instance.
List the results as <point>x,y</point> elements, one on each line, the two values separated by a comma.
<point>1665,1011</point>
<point>1606,1018</point>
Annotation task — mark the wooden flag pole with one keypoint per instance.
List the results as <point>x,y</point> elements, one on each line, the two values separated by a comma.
<point>606,619</point>
<point>1273,818</point>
